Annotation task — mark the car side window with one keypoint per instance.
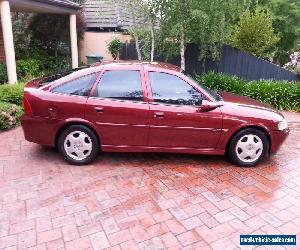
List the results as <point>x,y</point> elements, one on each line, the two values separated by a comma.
<point>121,85</point>
<point>80,86</point>
<point>171,89</point>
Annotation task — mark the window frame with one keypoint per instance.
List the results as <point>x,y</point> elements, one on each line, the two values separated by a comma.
<point>145,98</point>
<point>74,79</point>
<point>179,75</point>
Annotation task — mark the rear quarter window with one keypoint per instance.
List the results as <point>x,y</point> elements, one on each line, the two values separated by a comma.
<point>80,86</point>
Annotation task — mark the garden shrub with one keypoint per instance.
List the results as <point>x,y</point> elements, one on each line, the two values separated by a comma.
<point>223,82</point>
<point>3,73</point>
<point>282,95</point>
<point>29,68</point>
<point>12,93</point>
<point>9,115</point>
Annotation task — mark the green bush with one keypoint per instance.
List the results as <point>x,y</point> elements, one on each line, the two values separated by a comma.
<point>9,115</point>
<point>29,68</point>
<point>114,47</point>
<point>12,93</point>
<point>282,95</point>
<point>36,66</point>
<point>3,73</point>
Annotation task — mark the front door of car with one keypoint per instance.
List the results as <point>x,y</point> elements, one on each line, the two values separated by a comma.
<point>175,118</point>
<point>118,109</point>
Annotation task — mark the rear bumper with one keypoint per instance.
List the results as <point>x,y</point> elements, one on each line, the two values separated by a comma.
<point>39,130</point>
<point>277,139</point>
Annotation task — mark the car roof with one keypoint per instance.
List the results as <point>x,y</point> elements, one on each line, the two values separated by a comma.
<point>146,64</point>
<point>108,65</point>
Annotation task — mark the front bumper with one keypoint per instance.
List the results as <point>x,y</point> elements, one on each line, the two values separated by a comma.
<point>277,139</point>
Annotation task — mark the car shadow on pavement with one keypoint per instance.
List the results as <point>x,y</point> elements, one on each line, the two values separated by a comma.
<point>143,159</point>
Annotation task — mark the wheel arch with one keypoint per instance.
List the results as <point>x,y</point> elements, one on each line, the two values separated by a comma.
<point>262,129</point>
<point>71,123</point>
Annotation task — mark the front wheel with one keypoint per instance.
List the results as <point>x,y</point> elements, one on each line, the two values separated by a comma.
<point>248,147</point>
<point>78,144</point>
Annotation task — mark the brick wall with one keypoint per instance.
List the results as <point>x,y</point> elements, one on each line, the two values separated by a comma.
<point>2,53</point>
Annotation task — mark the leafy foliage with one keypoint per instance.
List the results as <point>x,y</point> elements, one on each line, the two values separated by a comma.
<point>3,73</point>
<point>9,115</point>
<point>282,95</point>
<point>114,47</point>
<point>254,33</point>
<point>286,19</point>
<point>12,93</point>
<point>144,35</point>
<point>207,23</point>
<point>55,40</point>
<point>27,69</point>
<point>35,67</point>
<point>42,43</point>
<point>294,63</point>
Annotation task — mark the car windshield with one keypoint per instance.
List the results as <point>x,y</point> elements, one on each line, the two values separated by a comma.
<point>213,93</point>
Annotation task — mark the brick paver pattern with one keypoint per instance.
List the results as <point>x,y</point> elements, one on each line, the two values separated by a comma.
<point>144,201</point>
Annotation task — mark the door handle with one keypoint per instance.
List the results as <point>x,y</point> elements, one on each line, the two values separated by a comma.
<point>99,109</point>
<point>159,115</point>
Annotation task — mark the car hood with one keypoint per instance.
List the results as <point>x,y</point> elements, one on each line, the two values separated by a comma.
<point>245,101</point>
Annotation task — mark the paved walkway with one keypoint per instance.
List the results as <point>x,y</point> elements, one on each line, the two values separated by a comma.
<point>144,201</point>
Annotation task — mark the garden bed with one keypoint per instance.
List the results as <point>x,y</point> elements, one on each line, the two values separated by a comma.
<point>282,95</point>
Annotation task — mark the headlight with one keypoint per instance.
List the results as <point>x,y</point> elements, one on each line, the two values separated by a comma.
<point>283,125</point>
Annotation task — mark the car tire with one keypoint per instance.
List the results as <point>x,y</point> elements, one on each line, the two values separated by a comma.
<point>78,144</point>
<point>248,147</point>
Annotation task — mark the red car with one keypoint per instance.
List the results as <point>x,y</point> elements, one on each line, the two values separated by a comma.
<point>146,107</point>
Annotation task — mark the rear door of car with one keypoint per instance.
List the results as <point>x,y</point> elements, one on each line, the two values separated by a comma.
<point>119,108</point>
<point>67,99</point>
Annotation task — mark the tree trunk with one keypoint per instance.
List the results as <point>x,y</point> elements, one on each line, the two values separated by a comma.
<point>182,50</point>
<point>137,46</point>
<point>135,36</point>
<point>152,42</point>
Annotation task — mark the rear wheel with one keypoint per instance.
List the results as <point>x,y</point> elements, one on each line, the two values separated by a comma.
<point>78,144</point>
<point>248,147</point>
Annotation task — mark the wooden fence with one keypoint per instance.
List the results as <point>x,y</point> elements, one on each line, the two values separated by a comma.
<point>231,61</point>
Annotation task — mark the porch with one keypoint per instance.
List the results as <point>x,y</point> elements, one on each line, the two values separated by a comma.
<point>63,7</point>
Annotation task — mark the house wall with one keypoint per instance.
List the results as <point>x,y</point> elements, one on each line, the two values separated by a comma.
<point>2,52</point>
<point>96,43</point>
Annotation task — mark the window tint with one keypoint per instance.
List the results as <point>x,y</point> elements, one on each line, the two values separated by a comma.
<point>81,86</point>
<point>120,84</point>
<point>171,89</point>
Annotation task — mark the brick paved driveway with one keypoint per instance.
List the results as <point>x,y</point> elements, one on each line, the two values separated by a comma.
<point>144,201</point>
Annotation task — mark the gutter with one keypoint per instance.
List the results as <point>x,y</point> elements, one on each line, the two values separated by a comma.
<point>70,5</point>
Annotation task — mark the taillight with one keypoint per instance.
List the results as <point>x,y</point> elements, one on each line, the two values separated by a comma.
<point>27,106</point>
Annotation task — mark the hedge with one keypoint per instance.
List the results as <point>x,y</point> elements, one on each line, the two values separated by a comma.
<point>12,93</point>
<point>10,105</point>
<point>281,95</point>
<point>9,115</point>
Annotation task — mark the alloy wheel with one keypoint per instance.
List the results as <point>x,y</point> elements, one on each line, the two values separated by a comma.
<point>78,145</point>
<point>249,148</point>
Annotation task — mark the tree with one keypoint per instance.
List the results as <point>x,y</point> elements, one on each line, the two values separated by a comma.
<point>114,47</point>
<point>255,34</point>
<point>286,16</point>
<point>286,19</point>
<point>294,63</point>
<point>133,10</point>
<point>153,12</point>
<point>52,40</point>
<point>207,23</point>
<point>144,17</point>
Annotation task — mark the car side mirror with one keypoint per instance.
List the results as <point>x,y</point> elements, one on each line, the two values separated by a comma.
<point>206,106</point>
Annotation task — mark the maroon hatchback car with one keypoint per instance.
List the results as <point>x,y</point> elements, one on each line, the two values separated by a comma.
<point>146,107</point>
